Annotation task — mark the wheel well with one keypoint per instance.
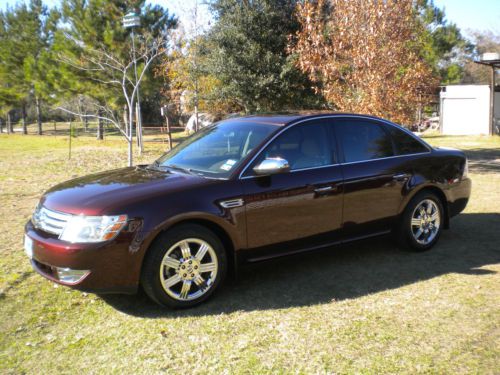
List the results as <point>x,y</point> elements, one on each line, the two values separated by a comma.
<point>442,197</point>
<point>218,231</point>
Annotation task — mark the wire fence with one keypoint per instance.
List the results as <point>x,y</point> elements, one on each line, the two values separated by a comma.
<point>151,132</point>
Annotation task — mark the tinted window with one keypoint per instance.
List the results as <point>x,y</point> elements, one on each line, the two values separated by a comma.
<point>303,146</point>
<point>363,140</point>
<point>405,143</point>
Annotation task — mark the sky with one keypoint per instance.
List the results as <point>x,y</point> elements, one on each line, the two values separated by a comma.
<point>467,14</point>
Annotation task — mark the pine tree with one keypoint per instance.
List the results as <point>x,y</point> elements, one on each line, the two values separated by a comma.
<point>26,39</point>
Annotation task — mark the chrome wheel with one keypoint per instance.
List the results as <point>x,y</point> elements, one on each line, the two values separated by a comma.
<point>188,269</point>
<point>425,221</point>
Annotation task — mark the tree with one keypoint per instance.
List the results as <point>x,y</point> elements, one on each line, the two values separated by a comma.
<point>25,48</point>
<point>97,25</point>
<point>188,85</point>
<point>444,47</point>
<point>486,41</point>
<point>247,53</point>
<point>365,57</point>
<point>96,59</point>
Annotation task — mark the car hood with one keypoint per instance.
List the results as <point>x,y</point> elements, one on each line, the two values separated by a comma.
<point>111,191</point>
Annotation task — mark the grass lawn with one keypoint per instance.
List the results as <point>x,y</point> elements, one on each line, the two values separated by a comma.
<point>364,308</point>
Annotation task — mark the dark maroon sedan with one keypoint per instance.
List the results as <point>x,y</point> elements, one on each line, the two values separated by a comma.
<point>244,190</point>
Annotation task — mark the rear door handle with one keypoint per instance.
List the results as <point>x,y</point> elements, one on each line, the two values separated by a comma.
<point>401,176</point>
<point>325,189</point>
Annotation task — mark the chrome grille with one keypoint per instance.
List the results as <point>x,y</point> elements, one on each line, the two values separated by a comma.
<point>49,221</point>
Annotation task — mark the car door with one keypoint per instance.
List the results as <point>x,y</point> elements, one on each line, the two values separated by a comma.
<point>374,179</point>
<point>300,209</point>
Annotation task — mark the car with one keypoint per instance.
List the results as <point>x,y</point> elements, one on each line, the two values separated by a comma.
<point>245,190</point>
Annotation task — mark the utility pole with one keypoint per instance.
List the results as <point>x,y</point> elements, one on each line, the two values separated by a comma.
<point>195,61</point>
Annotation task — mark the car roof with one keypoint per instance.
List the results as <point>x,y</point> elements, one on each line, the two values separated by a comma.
<point>283,119</point>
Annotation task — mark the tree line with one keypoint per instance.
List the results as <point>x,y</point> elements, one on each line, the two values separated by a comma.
<point>385,58</point>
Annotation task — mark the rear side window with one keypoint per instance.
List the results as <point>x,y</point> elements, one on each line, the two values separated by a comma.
<point>404,143</point>
<point>363,140</point>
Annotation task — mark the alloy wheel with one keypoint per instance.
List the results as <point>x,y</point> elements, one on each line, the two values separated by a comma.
<point>425,222</point>
<point>188,269</point>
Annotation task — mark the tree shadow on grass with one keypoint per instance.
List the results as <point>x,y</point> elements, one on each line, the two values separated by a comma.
<point>484,160</point>
<point>343,272</point>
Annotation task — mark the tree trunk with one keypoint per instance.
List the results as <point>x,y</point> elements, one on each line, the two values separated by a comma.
<point>86,123</point>
<point>138,128</point>
<point>39,114</point>
<point>100,127</point>
<point>9,124</point>
<point>130,152</point>
<point>130,136</point>
<point>25,129</point>
<point>1,126</point>
<point>125,118</point>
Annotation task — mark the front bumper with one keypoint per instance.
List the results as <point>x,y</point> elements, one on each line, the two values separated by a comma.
<point>108,267</point>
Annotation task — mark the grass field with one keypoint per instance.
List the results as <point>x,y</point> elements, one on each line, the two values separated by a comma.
<point>365,308</point>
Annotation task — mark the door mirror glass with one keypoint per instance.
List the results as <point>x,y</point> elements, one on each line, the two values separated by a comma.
<point>270,166</point>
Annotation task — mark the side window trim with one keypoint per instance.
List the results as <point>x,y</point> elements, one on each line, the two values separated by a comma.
<point>340,153</point>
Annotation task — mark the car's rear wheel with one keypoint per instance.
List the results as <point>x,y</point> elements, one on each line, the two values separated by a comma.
<point>184,266</point>
<point>422,222</point>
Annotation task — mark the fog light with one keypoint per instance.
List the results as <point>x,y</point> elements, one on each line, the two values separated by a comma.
<point>67,275</point>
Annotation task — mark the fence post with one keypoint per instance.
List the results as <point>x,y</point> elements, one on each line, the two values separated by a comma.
<point>169,134</point>
<point>55,129</point>
<point>100,128</point>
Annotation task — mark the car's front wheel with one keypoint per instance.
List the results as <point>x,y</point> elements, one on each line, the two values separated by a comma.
<point>422,222</point>
<point>184,266</point>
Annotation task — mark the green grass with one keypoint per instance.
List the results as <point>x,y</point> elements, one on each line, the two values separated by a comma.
<point>364,308</point>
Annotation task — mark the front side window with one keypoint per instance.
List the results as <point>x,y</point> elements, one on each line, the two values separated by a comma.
<point>216,151</point>
<point>303,146</point>
<point>363,140</point>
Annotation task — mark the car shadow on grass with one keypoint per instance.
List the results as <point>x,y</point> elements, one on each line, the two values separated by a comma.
<point>342,272</point>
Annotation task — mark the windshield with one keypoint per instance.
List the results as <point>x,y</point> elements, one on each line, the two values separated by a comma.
<point>217,150</point>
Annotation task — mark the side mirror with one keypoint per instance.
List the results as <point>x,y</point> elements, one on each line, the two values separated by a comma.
<point>270,166</point>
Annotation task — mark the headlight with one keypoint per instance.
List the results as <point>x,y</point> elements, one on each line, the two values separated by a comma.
<point>93,228</point>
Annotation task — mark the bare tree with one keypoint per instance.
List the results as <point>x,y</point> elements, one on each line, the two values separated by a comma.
<point>109,69</point>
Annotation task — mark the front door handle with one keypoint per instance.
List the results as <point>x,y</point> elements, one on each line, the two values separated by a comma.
<point>401,176</point>
<point>325,189</point>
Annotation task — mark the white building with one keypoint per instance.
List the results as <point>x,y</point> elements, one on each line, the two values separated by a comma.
<point>465,109</point>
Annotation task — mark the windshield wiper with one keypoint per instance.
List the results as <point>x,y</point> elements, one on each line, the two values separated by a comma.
<point>176,167</point>
<point>155,166</point>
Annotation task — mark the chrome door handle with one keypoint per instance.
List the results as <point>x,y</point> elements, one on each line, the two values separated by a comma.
<point>401,176</point>
<point>325,189</point>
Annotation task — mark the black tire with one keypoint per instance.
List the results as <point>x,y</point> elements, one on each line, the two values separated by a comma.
<point>405,230</point>
<point>153,273</point>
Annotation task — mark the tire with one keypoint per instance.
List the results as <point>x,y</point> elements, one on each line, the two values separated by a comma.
<point>180,276</point>
<point>420,230</point>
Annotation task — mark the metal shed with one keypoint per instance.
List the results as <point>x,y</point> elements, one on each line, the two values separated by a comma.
<point>465,109</point>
